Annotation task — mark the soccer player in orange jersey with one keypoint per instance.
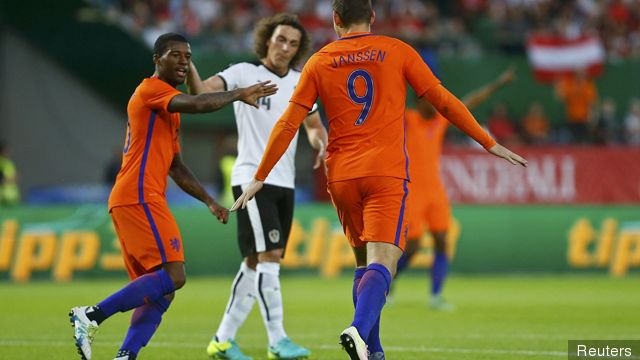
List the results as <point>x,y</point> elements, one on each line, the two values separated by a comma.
<point>148,233</point>
<point>361,80</point>
<point>428,205</point>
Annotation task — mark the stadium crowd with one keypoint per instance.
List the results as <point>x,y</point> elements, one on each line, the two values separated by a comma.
<point>606,125</point>
<point>461,28</point>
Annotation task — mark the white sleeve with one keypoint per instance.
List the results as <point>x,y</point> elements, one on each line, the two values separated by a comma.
<point>232,76</point>
<point>314,108</point>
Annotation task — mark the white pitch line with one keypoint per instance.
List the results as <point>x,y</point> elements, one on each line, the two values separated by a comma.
<point>184,345</point>
<point>468,351</point>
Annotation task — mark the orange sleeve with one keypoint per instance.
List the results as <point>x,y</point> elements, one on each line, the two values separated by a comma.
<point>417,73</point>
<point>281,135</point>
<point>306,92</point>
<point>157,94</point>
<point>454,110</point>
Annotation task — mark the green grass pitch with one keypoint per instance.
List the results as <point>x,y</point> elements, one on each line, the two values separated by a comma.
<point>523,317</point>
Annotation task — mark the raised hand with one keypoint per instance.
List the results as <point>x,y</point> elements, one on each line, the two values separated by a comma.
<point>507,76</point>
<point>251,94</point>
<point>503,152</point>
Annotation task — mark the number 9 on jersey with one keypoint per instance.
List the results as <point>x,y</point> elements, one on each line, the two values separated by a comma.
<point>366,99</point>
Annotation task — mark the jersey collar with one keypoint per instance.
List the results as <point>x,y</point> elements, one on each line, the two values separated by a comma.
<point>355,35</point>
<point>273,72</point>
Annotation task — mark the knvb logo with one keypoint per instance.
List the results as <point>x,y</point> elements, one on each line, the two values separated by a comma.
<point>175,244</point>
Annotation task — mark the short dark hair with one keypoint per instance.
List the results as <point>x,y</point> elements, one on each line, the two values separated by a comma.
<point>163,41</point>
<point>264,31</point>
<point>353,11</point>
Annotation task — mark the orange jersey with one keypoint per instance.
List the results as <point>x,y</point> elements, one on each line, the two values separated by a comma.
<point>578,96</point>
<point>424,145</point>
<point>150,145</point>
<point>361,80</point>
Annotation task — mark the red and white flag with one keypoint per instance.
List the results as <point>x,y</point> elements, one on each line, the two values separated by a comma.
<point>552,57</point>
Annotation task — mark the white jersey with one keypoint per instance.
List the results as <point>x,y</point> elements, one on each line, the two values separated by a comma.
<point>254,125</point>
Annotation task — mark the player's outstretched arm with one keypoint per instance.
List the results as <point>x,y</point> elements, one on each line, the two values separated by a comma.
<point>317,135</point>
<point>185,179</point>
<point>281,135</point>
<point>454,110</point>
<point>204,103</point>
<point>477,97</point>
<point>196,86</point>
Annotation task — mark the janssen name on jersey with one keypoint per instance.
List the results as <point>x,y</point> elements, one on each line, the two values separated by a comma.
<point>254,125</point>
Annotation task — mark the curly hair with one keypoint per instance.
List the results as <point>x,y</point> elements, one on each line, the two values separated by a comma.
<point>265,28</point>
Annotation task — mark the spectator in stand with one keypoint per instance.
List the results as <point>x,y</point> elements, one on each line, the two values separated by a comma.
<point>511,34</point>
<point>616,25</point>
<point>535,125</point>
<point>188,21</point>
<point>606,124</point>
<point>632,123</point>
<point>501,126</point>
<point>579,94</point>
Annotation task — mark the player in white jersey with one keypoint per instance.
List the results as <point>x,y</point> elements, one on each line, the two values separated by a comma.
<point>263,227</point>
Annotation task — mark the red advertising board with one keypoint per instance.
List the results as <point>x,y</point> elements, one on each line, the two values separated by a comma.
<point>559,175</point>
<point>555,175</point>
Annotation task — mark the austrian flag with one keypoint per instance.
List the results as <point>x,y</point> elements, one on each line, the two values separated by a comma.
<point>552,57</point>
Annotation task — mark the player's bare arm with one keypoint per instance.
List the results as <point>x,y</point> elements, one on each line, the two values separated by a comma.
<point>185,179</point>
<point>317,135</point>
<point>194,82</point>
<point>209,102</point>
<point>454,110</point>
<point>196,85</point>
<point>214,84</point>
<point>477,97</point>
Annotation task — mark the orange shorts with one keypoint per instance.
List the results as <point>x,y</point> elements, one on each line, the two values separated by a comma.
<point>427,209</point>
<point>149,236</point>
<point>372,209</point>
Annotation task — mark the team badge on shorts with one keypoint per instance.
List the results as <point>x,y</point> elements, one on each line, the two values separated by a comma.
<point>274,236</point>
